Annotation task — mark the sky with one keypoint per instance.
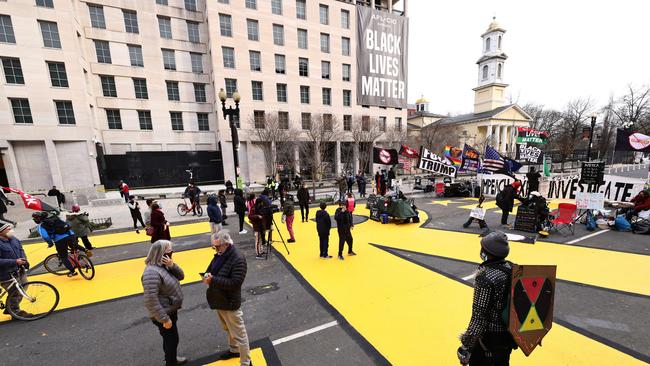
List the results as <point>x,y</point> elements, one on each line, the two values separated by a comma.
<point>557,50</point>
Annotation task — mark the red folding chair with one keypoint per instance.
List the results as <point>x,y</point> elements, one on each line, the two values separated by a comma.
<point>565,214</point>
<point>440,189</point>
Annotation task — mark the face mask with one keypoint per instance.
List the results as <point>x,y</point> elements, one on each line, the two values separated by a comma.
<point>484,256</point>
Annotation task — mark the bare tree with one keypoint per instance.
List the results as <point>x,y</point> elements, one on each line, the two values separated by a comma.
<point>365,131</point>
<point>317,145</point>
<point>633,108</point>
<point>277,138</point>
<point>543,119</point>
<point>610,121</point>
<point>569,132</point>
<point>436,135</point>
<point>395,137</point>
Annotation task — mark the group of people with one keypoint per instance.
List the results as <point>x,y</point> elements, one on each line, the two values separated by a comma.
<point>346,182</point>
<point>384,181</point>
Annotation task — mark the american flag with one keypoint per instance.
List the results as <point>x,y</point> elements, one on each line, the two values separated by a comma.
<point>493,161</point>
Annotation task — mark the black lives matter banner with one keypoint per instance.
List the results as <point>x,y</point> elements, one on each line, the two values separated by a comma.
<point>433,163</point>
<point>529,154</point>
<point>381,58</point>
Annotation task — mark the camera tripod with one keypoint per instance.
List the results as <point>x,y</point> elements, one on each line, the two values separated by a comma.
<point>270,240</point>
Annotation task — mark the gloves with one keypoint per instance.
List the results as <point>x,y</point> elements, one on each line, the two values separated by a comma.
<point>11,203</point>
<point>463,355</point>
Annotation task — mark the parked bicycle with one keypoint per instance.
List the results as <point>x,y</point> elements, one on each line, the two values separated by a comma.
<point>37,299</point>
<point>79,261</point>
<point>183,209</point>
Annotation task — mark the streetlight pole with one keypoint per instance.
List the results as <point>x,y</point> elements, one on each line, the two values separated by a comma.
<point>591,136</point>
<point>230,113</point>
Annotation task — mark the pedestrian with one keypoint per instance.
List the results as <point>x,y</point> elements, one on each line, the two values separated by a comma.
<point>4,201</point>
<point>344,226</point>
<point>240,209</point>
<point>265,196</point>
<point>159,224</point>
<point>193,193</point>
<point>487,342</point>
<point>533,180</point>
<point>506,200</point>
<point>55,232</point>
<point>303,201</point>
<point>60,199</point>
<point>250,201</point>
<point>214,214</point>
<point>342,183</point>
<point>288,215</point>
<point>147,213</point>
<point>383,184</point>
<point>136,215</point>
<point>124,191</point>
<point>391,177</point>
<point>163,296</point>
<point>350,182</point>
<point>256,217</point>
<point>225,276</point>
<point>12,259</point>
<point>223,204</point>
<point>361,183</point>
<point>377,183</point>
<point>229,187</point>
<point>80,225</point>
<point>349,203</point>
<point>282,191</point>
<point>481,222</point>
<point>323,226</point>
<point>297,181</point>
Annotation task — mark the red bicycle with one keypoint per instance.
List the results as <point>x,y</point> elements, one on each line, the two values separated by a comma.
<point>79,261</point>
<point>183,209</point>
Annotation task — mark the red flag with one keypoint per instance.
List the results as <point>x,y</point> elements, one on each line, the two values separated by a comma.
<point>408,152</point>
<point>30,201</point>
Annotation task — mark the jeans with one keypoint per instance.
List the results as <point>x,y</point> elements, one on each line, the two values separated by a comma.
<point>304,211</point>
<point>87,244</point>
<point>345,236</point>
<point>214,227</point>
<point>232,321</point>
<point>289,222</point>
<point>170,339</point>
<point>324,244</point>
<point>62,250</point>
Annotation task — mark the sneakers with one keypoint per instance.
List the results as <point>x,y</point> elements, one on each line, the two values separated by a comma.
<point>341,257</point>
<point>137,231</point>
<point>243,232</point>
<point>352,253</point>
<point>181,360</point>
<point>72,274</point>
<point>228,355</point>
<point>260,256</point>
<point>224,223</point>
<point>327,257</point>
<point>291,241</point>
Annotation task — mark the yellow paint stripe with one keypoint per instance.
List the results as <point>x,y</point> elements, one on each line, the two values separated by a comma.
<point>257,357</point>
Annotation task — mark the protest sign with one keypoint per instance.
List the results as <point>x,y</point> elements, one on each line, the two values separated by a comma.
<point>530,154</point>
<point>528,135</point>
<point>433,163</point>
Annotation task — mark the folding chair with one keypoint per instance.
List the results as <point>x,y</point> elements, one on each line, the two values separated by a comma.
<point>440,190</point>
<point>564,217</point>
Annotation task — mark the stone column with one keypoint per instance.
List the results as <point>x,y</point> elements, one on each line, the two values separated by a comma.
<point>337,162</point>
<point>296,159</point>
<point>390,6</point>
<point>11,167</point>
<point>504,138</point>
<point>497,138</point>
<point>355,158</point>
<point>53,161</point>
<point>488,132</point>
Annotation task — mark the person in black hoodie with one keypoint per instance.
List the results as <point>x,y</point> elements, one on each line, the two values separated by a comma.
<point>344,226</point>
<point>221,196</point>
<point>323,226</point>
<point>303,201</point>
<point>240,209</point>
<point>506,200</point>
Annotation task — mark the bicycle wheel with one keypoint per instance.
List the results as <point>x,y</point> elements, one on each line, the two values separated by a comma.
<point>181,209</point>
<point>199,210</point>
<point>54,265</point>
<point>41,300</point>
<point>86,268</point>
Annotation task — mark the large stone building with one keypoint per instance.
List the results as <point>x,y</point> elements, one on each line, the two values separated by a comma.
<point>91,88</point>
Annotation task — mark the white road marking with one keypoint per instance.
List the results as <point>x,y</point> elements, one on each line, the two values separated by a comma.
<point>587,236</point>
<point>467,278</point>
<point>305,332</point>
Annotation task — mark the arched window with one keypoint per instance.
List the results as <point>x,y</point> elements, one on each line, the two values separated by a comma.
<point>499,70</point>
<point>487,44</point>
<point>499,42</point>
<point>485,72</point>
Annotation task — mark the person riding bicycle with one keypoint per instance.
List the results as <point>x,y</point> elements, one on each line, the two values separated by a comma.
<point>56,232</point>
<point>193,192</point>
<point>12,260</point>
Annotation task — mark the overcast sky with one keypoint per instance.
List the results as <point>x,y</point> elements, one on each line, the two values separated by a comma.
<point>557,50</point>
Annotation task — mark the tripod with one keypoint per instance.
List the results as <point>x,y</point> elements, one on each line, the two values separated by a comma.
<point>270,240</point>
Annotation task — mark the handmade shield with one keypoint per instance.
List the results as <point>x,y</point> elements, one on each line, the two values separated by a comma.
<point>531,304</point>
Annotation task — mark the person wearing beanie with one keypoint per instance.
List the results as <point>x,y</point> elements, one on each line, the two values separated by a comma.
<point>12,258</point>
<point>487,340</point>
<point>506,200</point>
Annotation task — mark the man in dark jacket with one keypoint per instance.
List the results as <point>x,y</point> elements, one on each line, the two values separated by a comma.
<point>214,214</point>
<point>391,177</point>
<point>533,180</point>
<point>344,225</point>
<point>323,226</point>
<point>303,201</point>
<point>361,183</point>
<point>506,200</point>
<point>224,277</point>
<point>56,193</point>
<point>12,256</point>
<point>4,201</point>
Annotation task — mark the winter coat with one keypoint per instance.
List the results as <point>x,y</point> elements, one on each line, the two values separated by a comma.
<point>224,292</point>
<point>214,212</point>
<point>50,236</point>
<point>134,207</point>
<point>323,223</point>
<point>10,250</point>
<point>343,184</point>
<point>303,196</point>
<point>641,202</point>
<point>162,291</point>
<point>222,200</point>
<point>288,208</point>
<point>256,219</point>
<point>350,204</point>
<point>240,204</point>
<point>3,202</point>
<point>192,193</point>
<point>343,220</point>
<point>160,230</point>
<point>533,181</point>
<point>79,223</point>
<point>509,193</point>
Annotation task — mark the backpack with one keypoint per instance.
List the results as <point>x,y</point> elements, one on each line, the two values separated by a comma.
<point>500,198</point>
<point>591,222</point>
<point>55,225</point>
<point>621,224</point>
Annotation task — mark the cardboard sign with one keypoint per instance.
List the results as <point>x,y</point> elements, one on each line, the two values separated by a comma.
<point>590,201</point>
<point>433,163</point>
<point>477,213</point>
<point>592,172</point>
<point>526,219</point>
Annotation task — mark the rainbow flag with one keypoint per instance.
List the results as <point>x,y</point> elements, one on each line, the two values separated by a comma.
<point>454,155</point>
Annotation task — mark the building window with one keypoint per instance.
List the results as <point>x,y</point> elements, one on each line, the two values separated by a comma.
<point>224,1</point>
<point>276,7</point>
<point>347,122</point>
<point>228,57</point>
<point>197,62</point>
<point>253,27</point>
<point>327,122</point>
<point>135,54</point>
<point>251,4</point>
<point>145,120</point>
<point>303,66</point>
<point>190,5</point>
<point>365,123</point>
<point>45,3</point>
<point>231,87</point>
<point>199,93</point>
<point>345,46</point>
<point>325,70</point>
<point>193,34</point>
<point>281,90</point>
<point>345,19</point>
<point>161,2</point>
<point>22,112</point>
<point>165,27</point>
<point>301,9</point>
<point>225,25</point>
<point>487,44</point>
<point>304,94</point>
<point>114,119</point>
<point>172,90</point>
<point>255,60</point>
<point>50,33</point>
<point>382,124</point>
<point>103,51</point>
<point>258,119</point>
<point>346,72</point>
<point>58,75</point>
<point>258,93</point>
<point>130,21</point>
<point>13,70</point>
<point>108,86</point>
<point>177,120</point>
<point>203,121</point>
<point>65,112</point>
<point>302,39</point>
<point>347,98</point>
<point>325,42</point>
<point>278,35</point>
<point>305,121</point>
<point>6,30</point>
<point>327,96</point>
<point>97,16</point>
<point>140,88</point>
<point>169,59</point>
<point>499,68</point>
<point>485,72</point>
<point>283,120</point>
<point>280,64</point>
<point>324,14</point>
<point>398,124</point>
<point>499,42</point>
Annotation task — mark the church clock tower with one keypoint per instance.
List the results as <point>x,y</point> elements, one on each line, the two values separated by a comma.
<point>490,92</point>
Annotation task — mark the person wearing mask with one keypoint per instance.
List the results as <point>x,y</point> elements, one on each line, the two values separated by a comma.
<point>323,226</point>
<point>12,258</point>
<point>55,232</point>
<point>136,215</point>
<point>303,201</point>
<point>224,277</point>
<point>361,183</point>
<point>282,191</point>
<point>163,296</point>
<point>506,200</point>
<point>349,203</point>
<point>288,213</point>
<point>344,226</point>
<point>240,209</point>
<point>159,224</point>
<point>533,180</point>
<point>56,193</point>
<point>221,196</point>
<point>124,191</point>
<point>487,341</point>
<point>214,214</point>
<point>193,193</point>
<point>4,201</point>
<point>80,225</point>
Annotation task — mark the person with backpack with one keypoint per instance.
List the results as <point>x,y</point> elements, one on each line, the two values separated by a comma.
<point>487,342</point>
<point>55,232</point>
<point>323,226</point>
<point>80,224</point>
<point>349,203</point>
<point>506,200</point>
<point>136,215</point>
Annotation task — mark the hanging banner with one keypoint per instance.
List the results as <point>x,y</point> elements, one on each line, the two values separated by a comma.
<point>454,155</point>
<point>528,135</point>
<point>408,152</point>
<point>384,156</point>
<point>382,58</point>
<point>530,154</point>
<point>628,140</point>
<point>470,159</point>
<point>433,163</point>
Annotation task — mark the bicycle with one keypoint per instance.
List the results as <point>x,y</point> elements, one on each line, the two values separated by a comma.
<point>79,261</point>
<point>183,209</point>
<point>38,299</point>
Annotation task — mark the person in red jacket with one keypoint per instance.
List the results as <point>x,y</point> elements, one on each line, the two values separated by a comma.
<point>159,224</point>
<point>124,191</point>
<point>641,203</point>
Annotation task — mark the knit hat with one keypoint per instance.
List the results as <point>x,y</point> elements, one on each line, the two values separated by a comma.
<point>4,226</point>
<point>496,244</point>
<point>516,184</point>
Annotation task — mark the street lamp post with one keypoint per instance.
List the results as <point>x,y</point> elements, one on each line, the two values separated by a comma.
<point>591,135</point>
<point>230,113</point>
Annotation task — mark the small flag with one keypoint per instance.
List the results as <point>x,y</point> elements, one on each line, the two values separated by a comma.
<point>547,168</point>
<point>30,201</point>
<point>408,152</point>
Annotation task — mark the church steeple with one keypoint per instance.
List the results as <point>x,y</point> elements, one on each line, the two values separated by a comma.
<point>490,92</point>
